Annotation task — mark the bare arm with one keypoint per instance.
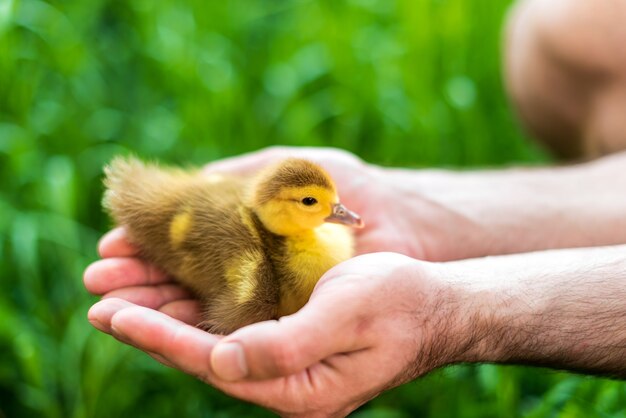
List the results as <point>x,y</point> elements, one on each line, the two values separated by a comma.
<point>379,320</point>
<point>562,309</point>
<point>439,215</point>
<point>472,214</point>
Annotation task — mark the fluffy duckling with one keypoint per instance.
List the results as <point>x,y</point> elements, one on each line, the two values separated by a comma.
<point>251,249</point>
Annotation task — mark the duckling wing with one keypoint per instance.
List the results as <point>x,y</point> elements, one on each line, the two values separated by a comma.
<point>226,262</point>
<point>198,230</point>
<point>183,222</point>
<point>250,295</point>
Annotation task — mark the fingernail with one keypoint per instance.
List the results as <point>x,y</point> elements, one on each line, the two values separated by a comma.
<point>229,362</point>
<point>107,238</point>
<point>97,324</point>
<point>119,335</point>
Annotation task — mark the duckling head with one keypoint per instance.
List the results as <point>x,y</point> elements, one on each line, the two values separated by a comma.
<point>296,196</point>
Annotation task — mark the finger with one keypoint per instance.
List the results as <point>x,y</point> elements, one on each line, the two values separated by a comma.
<point>325,326</point>
<point>185,310</point>
<point>100,314</point>
<point>161,359</point>
<point>115,244</point>
<point>152,297</point>
<point>106,275</point>
<point>184,346</point>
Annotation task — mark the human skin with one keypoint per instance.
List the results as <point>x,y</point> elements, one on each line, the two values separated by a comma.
<point>442,215</point>
<point>379,320</point>
<point>560,309</point>
<point>382,319</point>
<point>565,72</point>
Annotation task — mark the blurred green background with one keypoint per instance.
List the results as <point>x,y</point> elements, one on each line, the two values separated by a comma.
<point>398,82</point>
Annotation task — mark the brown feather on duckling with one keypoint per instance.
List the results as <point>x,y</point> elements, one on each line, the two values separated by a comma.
<point>251,249</point>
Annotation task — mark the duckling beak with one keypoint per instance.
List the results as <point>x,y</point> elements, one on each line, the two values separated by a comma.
<point>342,215</point>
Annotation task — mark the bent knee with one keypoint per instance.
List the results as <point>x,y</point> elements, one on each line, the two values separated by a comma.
<point>561,55</point>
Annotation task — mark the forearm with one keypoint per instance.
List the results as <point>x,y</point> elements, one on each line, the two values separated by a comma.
<point>563,309</point>
<point>515,210</point>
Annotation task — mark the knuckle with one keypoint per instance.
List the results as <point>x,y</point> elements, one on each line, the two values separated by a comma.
<point>284,358</point>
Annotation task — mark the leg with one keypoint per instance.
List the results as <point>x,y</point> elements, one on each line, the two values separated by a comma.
<point>566,73</point>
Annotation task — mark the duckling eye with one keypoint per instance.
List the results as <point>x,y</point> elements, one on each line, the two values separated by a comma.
<point>309,201</point>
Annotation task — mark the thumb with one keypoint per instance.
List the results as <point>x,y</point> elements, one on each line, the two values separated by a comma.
<point>323,327</point>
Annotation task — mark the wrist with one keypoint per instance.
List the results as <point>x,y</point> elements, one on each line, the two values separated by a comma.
<point>495,304</point>
<point>435,208</point>
<point>451,316</point>
<point>562,309</point>
<point>460,215</point>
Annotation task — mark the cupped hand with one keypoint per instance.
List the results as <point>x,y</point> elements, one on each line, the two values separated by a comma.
<point>372,323</point>
<point>411,212</point>
<point>122,275</point>
<point>363,188</point>
<point>368,326</point>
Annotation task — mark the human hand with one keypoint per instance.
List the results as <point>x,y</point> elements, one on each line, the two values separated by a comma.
<point>445,215</point>
<point>126,281</point>
<point>121,274</point>
<point>362,187</point>
<point>425,214</point>
<point>450,225</point>
<point>372,323</point>
<point>397,220</point>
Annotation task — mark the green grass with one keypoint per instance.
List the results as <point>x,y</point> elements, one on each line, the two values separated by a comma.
<point>404,82</point>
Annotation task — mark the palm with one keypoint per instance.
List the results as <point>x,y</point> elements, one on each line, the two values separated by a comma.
<point>333,385</point>
<point>136,285</point>
<point>314,389</point>
<point>360,186</point>
<point>122,275</point>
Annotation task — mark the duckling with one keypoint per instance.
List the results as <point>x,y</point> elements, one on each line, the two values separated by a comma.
<point>251,249</point>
